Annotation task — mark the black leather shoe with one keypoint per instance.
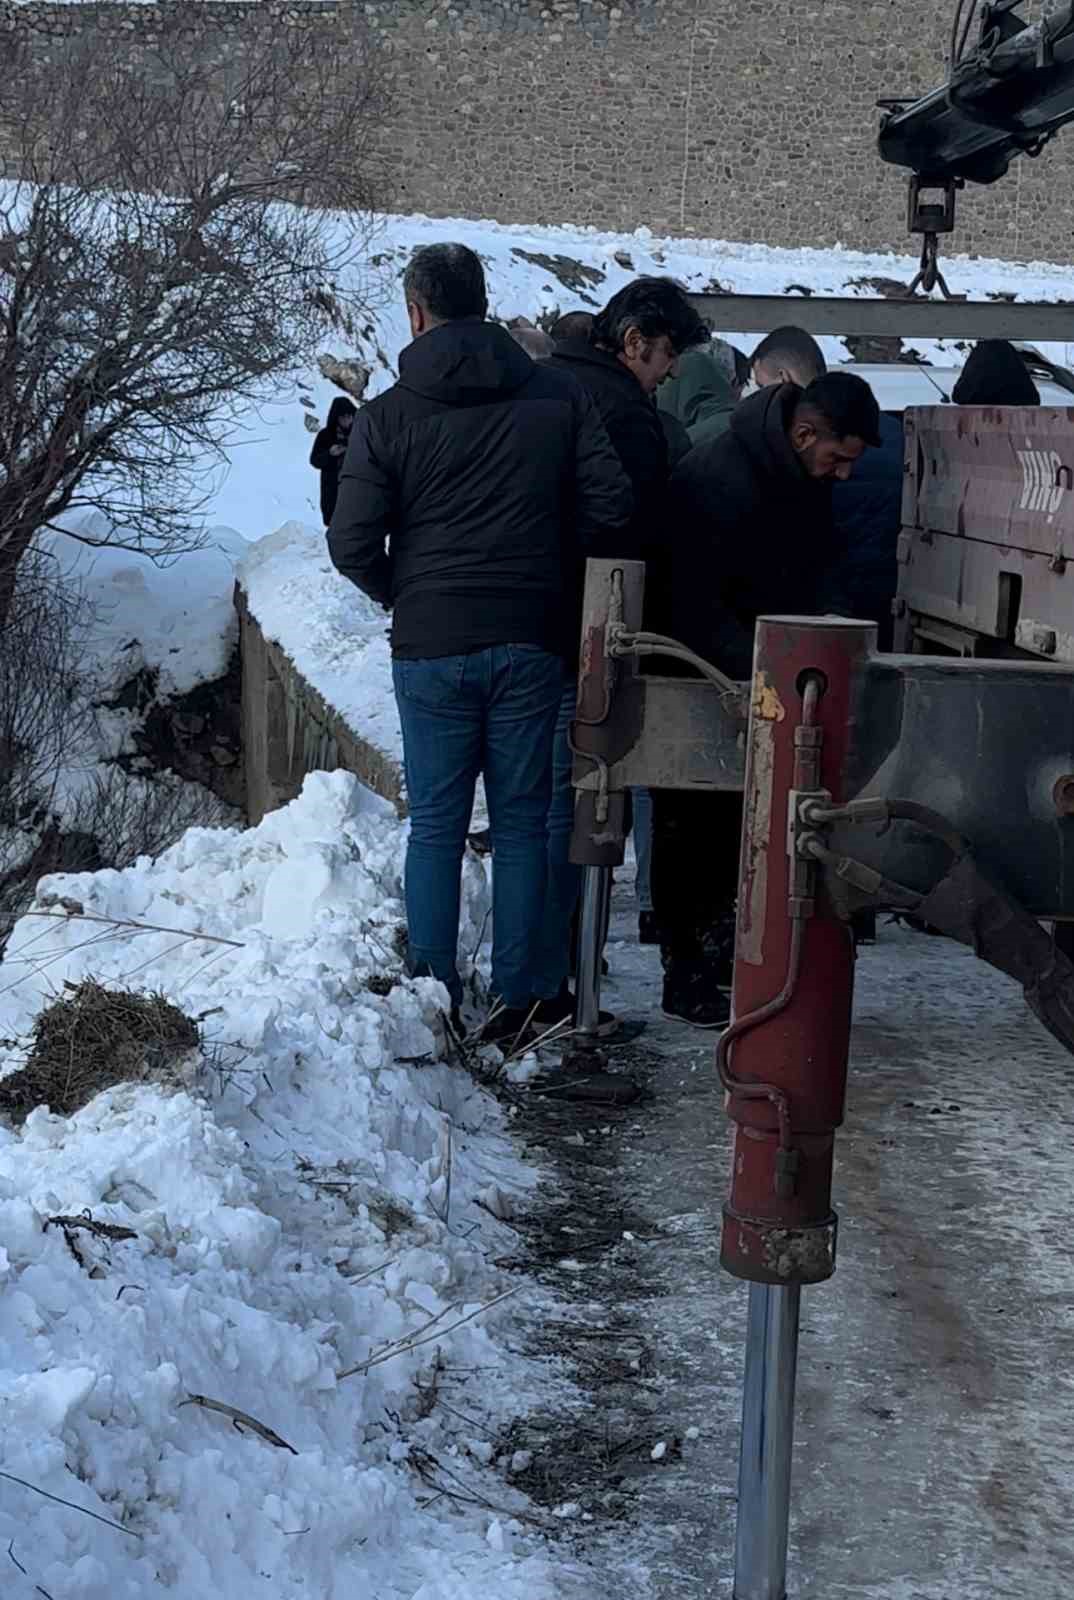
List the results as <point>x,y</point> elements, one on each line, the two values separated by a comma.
<point>698,1005</point>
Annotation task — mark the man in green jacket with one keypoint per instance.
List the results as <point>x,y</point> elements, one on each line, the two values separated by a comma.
<point>703,393</point>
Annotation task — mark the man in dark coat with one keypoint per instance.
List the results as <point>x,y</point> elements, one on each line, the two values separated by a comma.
<point>632,347</point>
<point>787,355</point>
<point>328,451</point>
<point>465,494</point>
<point>751,526</point>
<point>867,514</point>
<point>618,359</point>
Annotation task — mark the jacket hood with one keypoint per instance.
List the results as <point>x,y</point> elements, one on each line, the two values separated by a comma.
<point>760,424</point>
<point>995,375</point>
<point>698,393</point>
<point>340,407</point>
<point>465,363</point>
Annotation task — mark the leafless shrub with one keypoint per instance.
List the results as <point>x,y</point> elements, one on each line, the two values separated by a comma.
<point>41,714</point>
<point>44,719</point>
<point>183,227</point>
<point>127,815</point>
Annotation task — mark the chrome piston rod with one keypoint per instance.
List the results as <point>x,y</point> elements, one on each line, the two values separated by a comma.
<point>592,931</point>
<point>764,1473</point>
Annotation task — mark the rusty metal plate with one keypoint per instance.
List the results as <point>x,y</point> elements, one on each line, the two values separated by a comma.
<point>999,595</point>
<point>689,741</point>
<point>1000,476</point>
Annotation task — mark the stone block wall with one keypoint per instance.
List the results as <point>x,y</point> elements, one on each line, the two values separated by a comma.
<point>737,119</point>
<point>734,119</point>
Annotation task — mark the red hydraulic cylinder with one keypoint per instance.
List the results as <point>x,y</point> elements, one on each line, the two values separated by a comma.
<point>784,1058</point>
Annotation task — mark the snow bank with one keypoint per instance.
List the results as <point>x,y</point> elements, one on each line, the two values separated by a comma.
<point>334,634</point>
<point>305,1202</point>
<point>178,619</point>
<point>162,631</point>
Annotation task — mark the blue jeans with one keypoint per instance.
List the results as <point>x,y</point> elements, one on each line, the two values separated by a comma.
<point>643,847</point>
<point>553,955</point>
<point>494,712</point>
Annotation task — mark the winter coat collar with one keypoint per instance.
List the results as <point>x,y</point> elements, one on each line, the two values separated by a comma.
<point>578,352</point>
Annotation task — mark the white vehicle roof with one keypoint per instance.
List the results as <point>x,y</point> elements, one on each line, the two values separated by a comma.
<point>898,385</point>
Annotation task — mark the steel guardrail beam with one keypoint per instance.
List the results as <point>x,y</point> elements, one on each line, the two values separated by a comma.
<point>918,318</point>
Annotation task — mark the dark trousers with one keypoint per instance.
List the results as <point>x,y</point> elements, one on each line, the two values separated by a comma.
<point>696,839</point>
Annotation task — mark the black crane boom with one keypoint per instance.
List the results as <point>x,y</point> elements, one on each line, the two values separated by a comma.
<point>1006,97</point>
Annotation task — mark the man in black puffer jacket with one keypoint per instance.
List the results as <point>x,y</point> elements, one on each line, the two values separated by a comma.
<point>752,534</point>
<point>619,358</point>
<point>465,494</point>
<point>632,346</point>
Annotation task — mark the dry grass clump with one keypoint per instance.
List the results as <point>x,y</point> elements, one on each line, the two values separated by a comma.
<point>91,1040</point>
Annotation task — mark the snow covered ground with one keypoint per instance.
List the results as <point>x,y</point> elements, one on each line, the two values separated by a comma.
<point>304,1204</point>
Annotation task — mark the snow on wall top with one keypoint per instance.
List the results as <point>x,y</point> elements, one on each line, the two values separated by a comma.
<point>336,636</point>
<point>177,619</point>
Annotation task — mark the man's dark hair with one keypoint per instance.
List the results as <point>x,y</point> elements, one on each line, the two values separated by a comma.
<point>846,404</point>
<point>654,306</point>
<point>791,347</point>
<point>447,281</point>
<point>572,325</point>
<point>743,369</point>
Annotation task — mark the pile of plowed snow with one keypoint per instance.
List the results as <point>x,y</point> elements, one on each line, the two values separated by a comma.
<point>320,1191</point>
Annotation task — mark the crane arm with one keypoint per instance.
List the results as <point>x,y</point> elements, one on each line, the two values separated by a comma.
<point>1006,97</point>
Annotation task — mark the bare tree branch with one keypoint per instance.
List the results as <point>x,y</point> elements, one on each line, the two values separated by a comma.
<point>70,1504</point>
<point>183,228</point>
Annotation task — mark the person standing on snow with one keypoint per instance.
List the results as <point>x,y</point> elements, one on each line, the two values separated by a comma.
<point>862,573</point>
<point>751,525</point>
<point>328,451</point>
<point>619,360</point>
<point>866,510</point>
<point>465,493</point>
<point>633,345</point>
